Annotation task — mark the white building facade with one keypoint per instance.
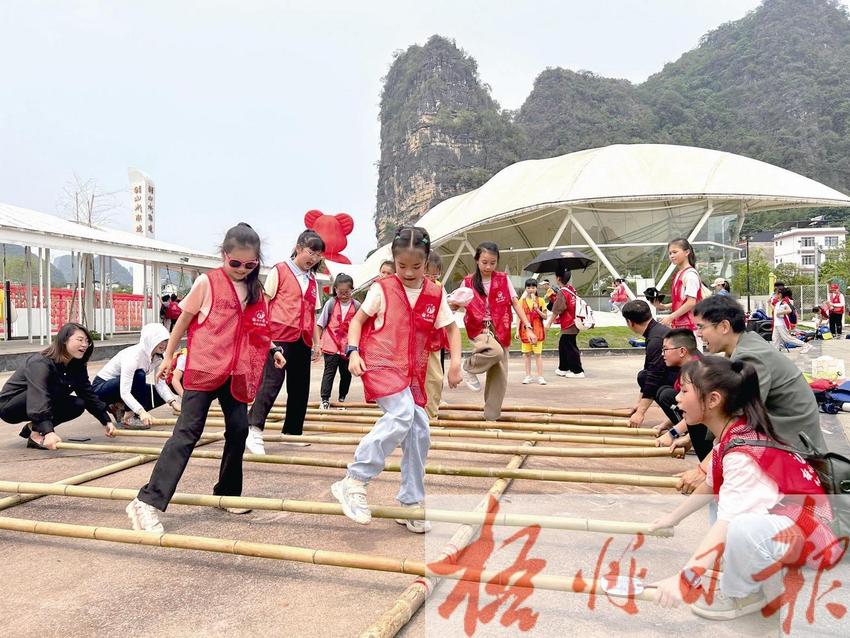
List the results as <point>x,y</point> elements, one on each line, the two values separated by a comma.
<point>799,245</point>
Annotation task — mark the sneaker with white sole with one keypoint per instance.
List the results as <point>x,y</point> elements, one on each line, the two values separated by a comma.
<point>254,442</point>
<point>527,380</point>
<point>471,380</point>
<point>562,373</point>
<point>132,423</point>
<point>325,405</point>
<point>236,510</point>
<point>295,444</point>
<point>724,607</point>
<point>143,517</point>
<point>541,381</point>
<point>417,526</point>
<point>351,494</point>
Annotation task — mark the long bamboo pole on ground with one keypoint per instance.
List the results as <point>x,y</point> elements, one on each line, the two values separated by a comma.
<point>474,425</point>
<point>321,415</point>
<point>560,452</point>
<point>562,476</point>
<point>470,407</point>
<point>285,552</point>
<point>313,507</point>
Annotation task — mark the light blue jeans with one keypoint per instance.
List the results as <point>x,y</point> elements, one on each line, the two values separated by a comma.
<point>403,423</point>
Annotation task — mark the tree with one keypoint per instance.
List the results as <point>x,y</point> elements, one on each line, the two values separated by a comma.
<point>792,275</point>
<point>83,201</point>
<point>759,275</point>
<point>836,264</point>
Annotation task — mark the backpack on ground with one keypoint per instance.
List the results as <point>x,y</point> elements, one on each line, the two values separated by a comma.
<point>832,469</point>
<point>597,342</point>
<point>583,314</point>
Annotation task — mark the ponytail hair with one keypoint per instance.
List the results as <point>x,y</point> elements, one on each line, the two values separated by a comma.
<point>312,240</point>
<point>243,236</point>
<point>738,383</point>
<point>411,238</point>
<point>341,278</point>
<point>483,247</point>
<point>684,244</point>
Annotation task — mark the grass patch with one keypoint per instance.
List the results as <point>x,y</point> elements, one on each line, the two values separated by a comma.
<point>616,336</point>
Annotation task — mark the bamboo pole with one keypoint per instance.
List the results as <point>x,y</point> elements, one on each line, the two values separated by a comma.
<point>562,476</point>
<point>501,435</point>
<point>290,553</point>
<point>320,415</point>
<point>559,452</point>
<point>469,407</point>
<point>313,507</point>
<point>474,425</point>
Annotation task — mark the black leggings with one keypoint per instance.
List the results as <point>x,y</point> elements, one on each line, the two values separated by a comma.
<point>334,362</point>
<point>835,321</point>
<point>297,377</point>
<point>569,355</point>
<point>178,448</point>
<point>63,409</point>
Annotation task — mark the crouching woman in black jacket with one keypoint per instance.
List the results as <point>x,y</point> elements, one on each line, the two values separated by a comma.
<point>40,392</point>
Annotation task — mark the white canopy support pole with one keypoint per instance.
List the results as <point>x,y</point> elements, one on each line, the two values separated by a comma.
<point>557,236</point>
<point>736,236</point>
<point>41,296</point>
<point>49,295</point>
<point>453,262</point>
<point>111,306</point>
<point>28,268</point>
<point>595,248</point>
<point>691,237</point>
<point>80,287</point>
<point>145,294</point>
<point>102,261</point>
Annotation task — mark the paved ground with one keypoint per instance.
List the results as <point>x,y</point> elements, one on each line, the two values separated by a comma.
<point>66,587</point>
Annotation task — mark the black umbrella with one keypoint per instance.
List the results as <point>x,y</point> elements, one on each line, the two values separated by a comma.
<point>553,260</point>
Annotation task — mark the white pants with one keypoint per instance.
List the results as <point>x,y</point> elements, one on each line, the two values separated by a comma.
<point>750,549</point>
<point>403,423</point>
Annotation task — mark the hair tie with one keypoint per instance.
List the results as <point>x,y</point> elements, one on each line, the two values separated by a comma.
<point>737,366</point>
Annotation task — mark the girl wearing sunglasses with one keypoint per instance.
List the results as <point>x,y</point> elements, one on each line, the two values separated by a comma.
<point>292,292</point>
<point>226,316</point>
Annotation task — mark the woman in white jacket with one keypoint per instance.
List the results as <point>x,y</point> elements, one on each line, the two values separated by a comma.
<point>123,382</point>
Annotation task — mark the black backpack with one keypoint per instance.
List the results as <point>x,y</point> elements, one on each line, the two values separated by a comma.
<point>792,317</point>
<point>832,469</point>
<point>597,342</point>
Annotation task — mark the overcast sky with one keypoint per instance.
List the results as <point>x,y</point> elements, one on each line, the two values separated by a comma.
<point>259,111</point>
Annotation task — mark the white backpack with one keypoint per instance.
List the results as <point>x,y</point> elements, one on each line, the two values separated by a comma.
<point>584,315</point>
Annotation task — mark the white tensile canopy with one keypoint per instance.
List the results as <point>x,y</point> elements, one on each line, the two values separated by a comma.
<point>622,203</point>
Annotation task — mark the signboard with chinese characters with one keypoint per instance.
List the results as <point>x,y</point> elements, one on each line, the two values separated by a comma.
<point>142,200</point>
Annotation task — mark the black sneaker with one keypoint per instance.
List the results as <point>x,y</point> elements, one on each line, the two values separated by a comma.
<point>26,431</point>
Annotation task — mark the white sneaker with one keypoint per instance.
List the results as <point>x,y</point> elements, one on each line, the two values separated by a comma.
<point>805,348</point>
<point>254,443</point>
<point>471,380</point>
<point>295,444</point>
<point>561,373</point>
<point>578,375</point>
<point>724,607</point>
<point>527,380</point>
<point>351,494</point>
<point>325,405</point>
<point>541,381</point>
<point>415,526</point>
<point>143,517</point>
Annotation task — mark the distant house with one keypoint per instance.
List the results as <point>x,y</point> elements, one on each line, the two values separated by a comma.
<point>760,241</point>
<point>797,246</point>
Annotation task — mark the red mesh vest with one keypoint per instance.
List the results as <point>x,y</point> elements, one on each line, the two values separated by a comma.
<point>499,300</point>
<point>568,317</point>
<point>804,500</point>
<point>170,377</point>
<point>293,314</point>
<point>396,354</point>
<point>836,299</point>
<point>677,298</point>
<point>230,343</point>
<point>335,334</point>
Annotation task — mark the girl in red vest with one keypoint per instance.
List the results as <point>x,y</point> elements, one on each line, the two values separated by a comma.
<point>333,326</point>
<point>836,310</point>
<point>488,321</point>
<point>291,291</point>
<point>388,346</point>
<point>772,510</point>
<point>685,289</point>
<point>226,317</point>
<point>564,312</point>
<point>437,348</point>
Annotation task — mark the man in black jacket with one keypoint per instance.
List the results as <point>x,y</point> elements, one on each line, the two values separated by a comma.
<point>40,391</point>
<point>655,373</point>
